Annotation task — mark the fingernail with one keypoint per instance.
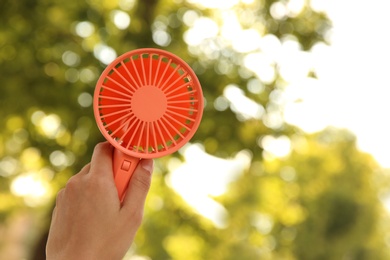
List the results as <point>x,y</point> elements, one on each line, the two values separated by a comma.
<point>147,165</point>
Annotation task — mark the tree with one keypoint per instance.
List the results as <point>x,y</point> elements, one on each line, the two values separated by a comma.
<point>51,54</point>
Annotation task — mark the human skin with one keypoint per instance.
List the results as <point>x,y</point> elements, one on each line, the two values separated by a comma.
<point>89,221</point>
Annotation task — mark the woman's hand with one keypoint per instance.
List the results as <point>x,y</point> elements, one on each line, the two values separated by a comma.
<point>89,221</point>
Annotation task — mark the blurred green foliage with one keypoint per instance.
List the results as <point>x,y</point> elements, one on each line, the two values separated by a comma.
<point>319,201</point>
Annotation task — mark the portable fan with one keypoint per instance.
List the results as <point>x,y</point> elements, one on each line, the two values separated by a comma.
<point>147,103</point>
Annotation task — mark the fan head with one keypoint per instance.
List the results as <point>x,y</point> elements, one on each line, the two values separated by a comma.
<point>148,103</point>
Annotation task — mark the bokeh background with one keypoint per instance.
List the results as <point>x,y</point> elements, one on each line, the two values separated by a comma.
<point>290,160</point>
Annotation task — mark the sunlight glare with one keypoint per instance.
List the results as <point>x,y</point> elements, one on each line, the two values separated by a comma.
<point>120,19</point>
<point>248,1</point>
<point>70,58</point>
<point>295,7</point>
<point>261,65</point>
<point>72,75</point>
<point>307,105</point>
<point>126,4</point>
<point>319,5</point>
<point>278,10</point>
<point>255,86</point>
<point>221,103</point>
<point>224,4</point>
<point>270,46</point>
<point>295,65</point>
<point>198,182</point>
<point>85,99</point>
<point>50,125</point>
<point>34,189</point>
<point>84,29</point>
<point>231,25</point>
<point>275,146</point>
<point>262,222</point>
<point>161,38</point>
<point>246,40</point>
<point>190,17</point>
<point>104,53</point>
<point>8,166</point>
<point>273,119</point>
<point>37,116</point>
<point>61,159</point>
<point>87,75</point>
<point>244,106</point>
<point>203,28</point>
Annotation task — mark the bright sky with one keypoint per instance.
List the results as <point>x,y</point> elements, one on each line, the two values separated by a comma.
<point>354,88</point>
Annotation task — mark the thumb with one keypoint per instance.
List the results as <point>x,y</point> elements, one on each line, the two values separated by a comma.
<point>138,188</point>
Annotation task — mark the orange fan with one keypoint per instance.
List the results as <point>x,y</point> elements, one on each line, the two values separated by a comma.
<point>147,103</point>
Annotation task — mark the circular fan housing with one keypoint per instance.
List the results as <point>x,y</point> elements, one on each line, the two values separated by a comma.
<point>148,103</point>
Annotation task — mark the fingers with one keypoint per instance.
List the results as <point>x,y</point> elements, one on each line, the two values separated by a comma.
<point>85,169</point>
<point>137,191</point>
<point>101,159</point>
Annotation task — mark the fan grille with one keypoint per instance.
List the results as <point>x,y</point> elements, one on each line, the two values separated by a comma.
<point>148,102</point>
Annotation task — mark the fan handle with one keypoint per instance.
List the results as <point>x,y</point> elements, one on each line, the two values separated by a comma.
<point>123,166</point>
